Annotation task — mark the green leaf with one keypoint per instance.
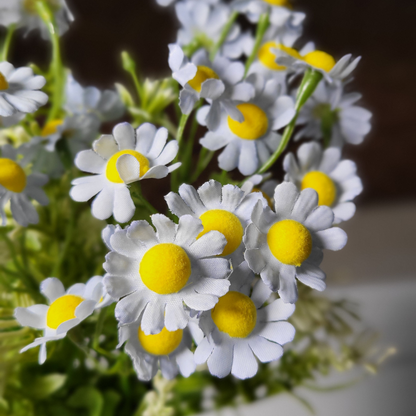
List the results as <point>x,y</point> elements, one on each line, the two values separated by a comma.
<point>89,398</point>
<point>40,387</point>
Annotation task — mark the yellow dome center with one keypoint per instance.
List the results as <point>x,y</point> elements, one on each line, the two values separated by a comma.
<point>62,310</point>
<point>51,127</point>
<point>322,184</point>
<point>320,60</point>
<point>12,176</point>
<point>112,172</point>
<point>162,343</point>
<point>281,3</point>
<point>202,74</point>
<point>227,224</point>
<point>255,122</point>
<point>268,58</point>
<point>165,268</point>
<point>266,197</point>
<point>235,314</point>
<point>290,242</point>
<point>3,82</point>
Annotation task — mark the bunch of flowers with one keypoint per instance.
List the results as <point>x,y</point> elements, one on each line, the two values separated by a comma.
<point>213,275</point>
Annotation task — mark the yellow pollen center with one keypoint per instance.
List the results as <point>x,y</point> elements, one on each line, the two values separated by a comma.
<point>281,3</point>
<point>265,196</point>
<point>290,242</point>
<point>3,82</point>
<point>202,74</point>
<point>235,314</point>
<point>320,60</point>
<point>268,58</point>
<point>165,268</point>
<point>12,176</point>
<point>112,172</point>
<point>227,224</point>
<point>162,343</point>
<point>62,310</point>
<point>322,184</point>
<point>255,122</point>
<point>51,127</point>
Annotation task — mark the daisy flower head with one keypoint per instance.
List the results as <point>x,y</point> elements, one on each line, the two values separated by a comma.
<point>334,180</point>
<point>263,184</point>
<point>19,90</point>
<point>225,209</point>
<point>287,244</point>
<point>19,188</point>
<point>218,82</point>
<point>189,274</point>
<point>329,110</point>
<point>66,310</point>
<point>119,159</point>
<point>240,328</point>
<point>250,143</point>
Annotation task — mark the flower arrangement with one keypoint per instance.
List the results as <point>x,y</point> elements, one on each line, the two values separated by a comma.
<point>201,295</point>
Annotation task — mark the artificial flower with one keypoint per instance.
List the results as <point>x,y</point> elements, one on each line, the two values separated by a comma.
<point>19,90</point>
<point>117,160</point>
<point>18,187</point>
<point>249,144</point>
<point>222,208</point>
<point>263,184</point>
<point>334,180</point>
<point>156,273</point>
<point>287,244</point>
<point>240,328</point>
<point>65,311</point>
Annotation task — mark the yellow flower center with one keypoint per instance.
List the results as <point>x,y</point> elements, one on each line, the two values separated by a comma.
<point>202,74</point>
<point>322,184</point>
<point>165,268</point>
<point>255,122</point>
<point>281,3</point>
<point>268,58</point>
<point>320,60</point>
<point>162,343</point>
<point>3,82</point>
<point>266,197</point>
<point>12,176</point>
<point>51,127</point>
<point>112,172</point>
<point>62,310</point>
<point>227,224</point>
<point>290,242</point>
<point>235,314</point>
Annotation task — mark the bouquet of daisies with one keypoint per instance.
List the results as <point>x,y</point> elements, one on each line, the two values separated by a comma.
<point>204,286</point>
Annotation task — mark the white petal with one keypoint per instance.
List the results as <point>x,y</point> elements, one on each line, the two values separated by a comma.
<point>332,239</point>
<point>280,332</point>
<point>244,363</point>
<point>123,205</point>
<point>103,204</point>
<point>278,310</point>
<point>186,363</point>
<point>33,316</point>
<point>124,136</point>
<point>129,308</point>
<point>221,360</point>
<point>89,161</point>
<point>166,228</point>
<point>52,288</point>
<point>265,350</point>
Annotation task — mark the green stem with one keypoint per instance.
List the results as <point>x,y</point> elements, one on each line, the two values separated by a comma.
<point>136,191</point>
<point>179,138</point>
<point>7,42</point>
<point>262,26</point>
<point>225,31</point>
<point>205,157</point>
<point>129,65</point>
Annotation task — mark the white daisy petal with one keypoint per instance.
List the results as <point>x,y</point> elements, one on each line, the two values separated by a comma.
<point>280,332</point>
<point>265,350</point>
<point>52,288</point>
<point>124,136</point>
<point>220,361</point>
<point>244,363</point>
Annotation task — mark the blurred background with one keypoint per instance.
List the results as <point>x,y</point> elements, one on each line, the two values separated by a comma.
<point>377,266</point>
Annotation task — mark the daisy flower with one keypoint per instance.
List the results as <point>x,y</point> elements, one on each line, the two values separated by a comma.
<point>334,180</point>
<point>249,144</point>
<point>221,208</point>
<point>287,244</point>
<point>19,90</point>
<point>169,351</point>
<point>217,81</point>
<point>331,109</point>
<point>239,328</point>
<point>117,160</point>
<point>189,274</point>
<point>18,187</point>
<point>263,184</point>
<point>65,311</point>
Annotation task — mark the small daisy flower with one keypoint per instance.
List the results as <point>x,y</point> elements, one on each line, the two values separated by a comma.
<point>334,180</point>
<point>249,144</point>
<point>117,160</point>
<point>221,208</point>
<point>239,328</point>
<point>330,108</point>
<point>18,187</point>
<point>287,244</point>
<point>218,82</point>
<point>169,351</point>
<point>263,184</point>
<point>65,311</point>
<point>189,274</point>
<point>19,90</point>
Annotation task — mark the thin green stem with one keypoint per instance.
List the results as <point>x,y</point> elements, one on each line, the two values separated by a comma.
<point>262,26</point>
<point>225,31</point>
<point>205,157</point>
<point>179,138</point>
<point>129,65</point>
<point>7,42</point>
<point>136,191</point>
